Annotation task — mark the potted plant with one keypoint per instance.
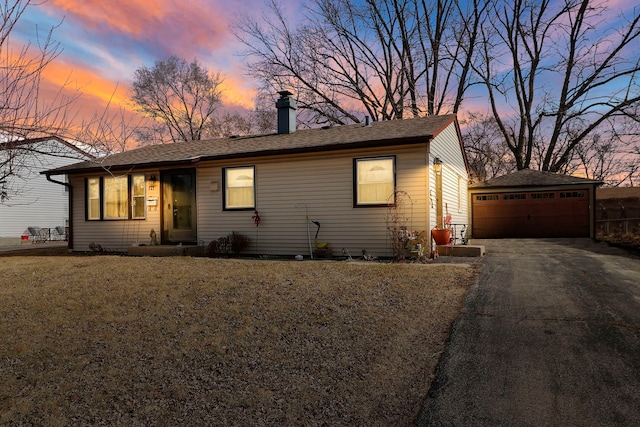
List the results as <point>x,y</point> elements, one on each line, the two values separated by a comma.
<point>442,236</point>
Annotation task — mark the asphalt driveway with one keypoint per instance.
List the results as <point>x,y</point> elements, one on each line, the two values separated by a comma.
<point>549,336</point>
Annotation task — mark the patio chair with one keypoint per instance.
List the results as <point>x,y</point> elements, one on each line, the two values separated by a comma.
<point>58,233</point>
<point>38,234</point>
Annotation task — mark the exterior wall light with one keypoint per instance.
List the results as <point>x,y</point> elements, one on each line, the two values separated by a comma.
<point>152,182</point>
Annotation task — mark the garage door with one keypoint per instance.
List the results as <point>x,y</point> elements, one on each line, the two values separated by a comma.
<point>531,214</point>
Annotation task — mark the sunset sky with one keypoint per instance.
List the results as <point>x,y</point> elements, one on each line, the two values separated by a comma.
<point>104,42</point>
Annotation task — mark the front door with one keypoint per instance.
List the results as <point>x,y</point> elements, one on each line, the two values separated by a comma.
<point>179,206</point>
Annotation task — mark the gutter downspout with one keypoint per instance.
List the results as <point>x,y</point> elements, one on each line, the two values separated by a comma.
<point>70,187</point>
<point>429,197</point>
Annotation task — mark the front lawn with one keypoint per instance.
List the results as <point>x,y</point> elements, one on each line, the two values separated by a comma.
<point>109,340</point>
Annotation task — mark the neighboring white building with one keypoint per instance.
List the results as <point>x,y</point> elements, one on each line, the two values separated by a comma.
<point>31,200</point>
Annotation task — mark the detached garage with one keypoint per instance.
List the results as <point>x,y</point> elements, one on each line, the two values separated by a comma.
<point>529,204</point>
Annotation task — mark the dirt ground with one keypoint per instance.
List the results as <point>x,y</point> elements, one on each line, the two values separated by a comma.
<point>10,241</point>
<point>10,246</point>
<point>629,240</point>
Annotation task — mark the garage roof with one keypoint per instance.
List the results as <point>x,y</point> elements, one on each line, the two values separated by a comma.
<point>533,178</point>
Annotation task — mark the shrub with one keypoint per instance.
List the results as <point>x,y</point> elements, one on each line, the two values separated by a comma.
<point>231,244</point>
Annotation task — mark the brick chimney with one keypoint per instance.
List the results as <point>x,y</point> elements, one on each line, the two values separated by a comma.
<point>286,112</point>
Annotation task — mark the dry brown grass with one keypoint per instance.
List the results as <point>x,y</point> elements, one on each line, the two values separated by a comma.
<point>108,340</point>
<point>631,240</point>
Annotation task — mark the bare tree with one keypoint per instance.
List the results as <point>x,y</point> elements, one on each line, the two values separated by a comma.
<point>112,129</point>
<point>487,152</point>
<point>182,96</point>
<point>604,160</point>
<point>24,114</point>
<point>384,59</point>
<point>264,116</point>
<point>285,57</point>
<point>558,76</point>
<point>230,124</point>
<point>33,127</point>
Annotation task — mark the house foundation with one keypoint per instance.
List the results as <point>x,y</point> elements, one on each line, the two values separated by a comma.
<point>461,250</point>
<point>166,250</point>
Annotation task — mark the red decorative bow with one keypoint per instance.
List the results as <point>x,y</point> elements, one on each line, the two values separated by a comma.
<point>256,218</point>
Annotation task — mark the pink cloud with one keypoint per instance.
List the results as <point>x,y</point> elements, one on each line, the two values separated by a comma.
<point>104,42</point>
<point>122,35</point>
<point>176,22</point>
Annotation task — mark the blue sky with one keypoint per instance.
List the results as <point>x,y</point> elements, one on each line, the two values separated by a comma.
<point>103,43</point>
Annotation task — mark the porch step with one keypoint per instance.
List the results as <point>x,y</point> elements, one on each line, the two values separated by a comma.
<point>461,250</point>
<point>166,250</point>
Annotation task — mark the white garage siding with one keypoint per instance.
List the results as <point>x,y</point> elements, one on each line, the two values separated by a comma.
<point>454,177</point>
<point>35,201</point>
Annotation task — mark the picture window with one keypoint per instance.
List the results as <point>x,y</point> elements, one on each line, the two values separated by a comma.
<point>115,197</point>
<point>374,181</point>
<point>239,188</point>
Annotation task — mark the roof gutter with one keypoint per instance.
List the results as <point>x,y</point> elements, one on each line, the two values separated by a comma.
<point>70,188</point>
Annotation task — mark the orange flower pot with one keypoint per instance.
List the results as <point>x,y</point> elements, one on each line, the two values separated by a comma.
<point>441,236</point>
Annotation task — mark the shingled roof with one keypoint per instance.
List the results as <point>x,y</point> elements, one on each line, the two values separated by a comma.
<point>77,147</point>
<point>532,178</point>
<point>394,132</point>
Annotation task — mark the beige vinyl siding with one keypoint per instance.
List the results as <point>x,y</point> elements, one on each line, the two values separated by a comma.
<point>322,182</point>
<point>455,179</point>
<point>114,235</point>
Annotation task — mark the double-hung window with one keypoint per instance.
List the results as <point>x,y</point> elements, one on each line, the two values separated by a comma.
<point>374,181</point>
<point>93,198</point>
<point>239,188</point>
<point>116,197</point>
<point>137,197</point>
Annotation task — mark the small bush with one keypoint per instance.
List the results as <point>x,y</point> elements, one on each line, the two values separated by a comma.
<point>239,242</point>
<point>232,244</point>
<point>217,248</point>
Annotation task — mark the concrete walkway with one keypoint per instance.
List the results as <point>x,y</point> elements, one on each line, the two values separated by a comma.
<point>550,336</point>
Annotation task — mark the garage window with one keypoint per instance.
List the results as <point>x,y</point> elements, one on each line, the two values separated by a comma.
<point>543,195</point>
<point>567,194</point>
<point>514,196</point>
<point>487,197</point>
